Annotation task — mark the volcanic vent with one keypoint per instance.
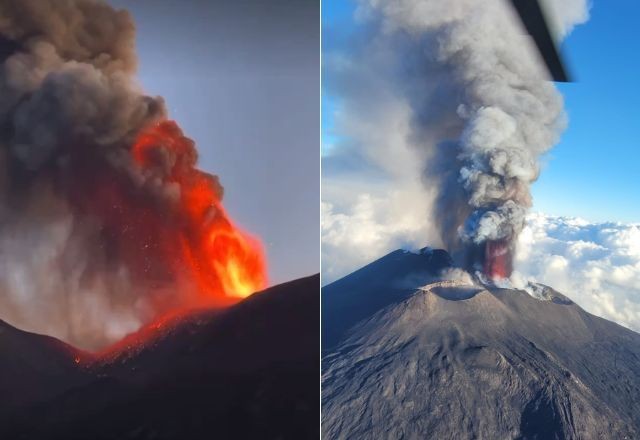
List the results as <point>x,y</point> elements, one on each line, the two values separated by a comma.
<point>107,224</point>
<point>492,258</point>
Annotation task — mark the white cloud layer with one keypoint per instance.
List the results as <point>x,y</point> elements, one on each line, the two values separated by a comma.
<point>370,227</point>
<point>597,265</point>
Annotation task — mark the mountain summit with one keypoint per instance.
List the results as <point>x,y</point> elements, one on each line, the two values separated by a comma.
<point>411,352</point>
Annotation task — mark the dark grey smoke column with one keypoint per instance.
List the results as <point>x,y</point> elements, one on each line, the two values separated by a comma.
<point>483,80</point>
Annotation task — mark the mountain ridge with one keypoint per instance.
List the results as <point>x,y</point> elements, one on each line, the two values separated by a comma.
<point>498,363</point>
<point>245,371</point>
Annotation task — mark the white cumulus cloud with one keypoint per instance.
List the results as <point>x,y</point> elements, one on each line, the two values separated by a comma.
<point>597,265</point>
<point>368,226</point>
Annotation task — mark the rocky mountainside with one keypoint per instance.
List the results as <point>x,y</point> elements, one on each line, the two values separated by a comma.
<point>34,367</point>
<point>249,371</point>
<point>406,358</point>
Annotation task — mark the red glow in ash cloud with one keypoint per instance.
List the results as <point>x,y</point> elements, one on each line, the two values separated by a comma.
<point>224,261</point>
<point>497,259</point>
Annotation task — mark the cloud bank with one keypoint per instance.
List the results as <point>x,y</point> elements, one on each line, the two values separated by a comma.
<point>597,265</point>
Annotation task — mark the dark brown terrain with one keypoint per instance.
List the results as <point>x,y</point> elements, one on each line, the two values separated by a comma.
<point>249,371</point>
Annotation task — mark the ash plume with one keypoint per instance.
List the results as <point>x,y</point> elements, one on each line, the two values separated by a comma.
<point>97,209</point>
<point>483,111</point>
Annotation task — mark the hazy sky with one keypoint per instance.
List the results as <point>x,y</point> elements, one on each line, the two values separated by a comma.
<point>242,79</point>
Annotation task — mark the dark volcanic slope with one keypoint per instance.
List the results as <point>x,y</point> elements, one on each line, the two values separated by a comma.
<point>250,371</point>
<point>486,364</point>
<point>386,281</point>
<point>34,367</point>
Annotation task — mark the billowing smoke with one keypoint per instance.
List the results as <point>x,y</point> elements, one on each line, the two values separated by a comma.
<point>105,223</point>
<point>483,111</point>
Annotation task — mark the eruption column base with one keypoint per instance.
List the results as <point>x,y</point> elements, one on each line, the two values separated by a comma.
<point>497,259</point>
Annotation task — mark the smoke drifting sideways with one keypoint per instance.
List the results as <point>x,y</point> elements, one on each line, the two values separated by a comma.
<point>105,222</point>
<point>482,111</point>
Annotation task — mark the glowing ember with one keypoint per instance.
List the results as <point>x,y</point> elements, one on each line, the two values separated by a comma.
<point>169,227</point>
<point>104,213</point>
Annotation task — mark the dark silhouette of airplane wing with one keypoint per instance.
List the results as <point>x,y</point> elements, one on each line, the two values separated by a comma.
<point>535,23</point>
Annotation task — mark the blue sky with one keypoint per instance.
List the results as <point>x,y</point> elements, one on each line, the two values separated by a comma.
<point>594,172</point>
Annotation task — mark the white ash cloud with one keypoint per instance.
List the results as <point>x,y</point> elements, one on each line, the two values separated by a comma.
<point>457,274</point>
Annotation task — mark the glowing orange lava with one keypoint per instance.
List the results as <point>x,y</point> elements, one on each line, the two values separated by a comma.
<point>161,219</point>
<point>224,262</point>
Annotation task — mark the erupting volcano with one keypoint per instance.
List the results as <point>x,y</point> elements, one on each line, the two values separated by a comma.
<point>131,304</point>
<point>107,223</point>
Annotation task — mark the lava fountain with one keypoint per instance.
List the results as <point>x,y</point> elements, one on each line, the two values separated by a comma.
<point>223,261</point>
